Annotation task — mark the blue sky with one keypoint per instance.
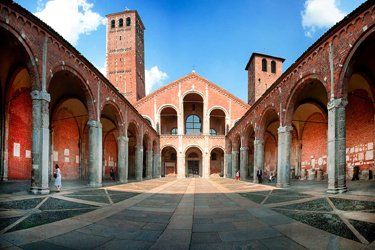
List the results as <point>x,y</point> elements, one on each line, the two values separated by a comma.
<point>214,37</point>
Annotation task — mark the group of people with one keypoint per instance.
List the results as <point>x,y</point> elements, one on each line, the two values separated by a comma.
<point>259,174</point>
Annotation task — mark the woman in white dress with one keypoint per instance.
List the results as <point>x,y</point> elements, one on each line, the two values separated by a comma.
<point>57,175</point>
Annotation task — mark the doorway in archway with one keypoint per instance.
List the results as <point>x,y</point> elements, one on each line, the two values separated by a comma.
<point>193,168</point>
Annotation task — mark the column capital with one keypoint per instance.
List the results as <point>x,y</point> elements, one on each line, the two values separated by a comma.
<point>258,141</point>
<point>285,129</point>
<point>40,95</point>
<point>337,103</point>
<point>94,123</point>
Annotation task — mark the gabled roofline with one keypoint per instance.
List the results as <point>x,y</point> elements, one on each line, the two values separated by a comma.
<point>262,55</point>
<point>193,74</point>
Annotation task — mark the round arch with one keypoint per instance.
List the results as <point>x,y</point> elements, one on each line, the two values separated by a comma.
<point>166,106</point>
<point>217,161</point>
<point>216,147</point>
<point>218,107</point>
<point>117,114</point>
<point>263,121</point>
<point>31,67</point>
<point>193,161</point>
<point>168,119</point>
<point>342,84</point>
<point>169,160</point>
<point>193,91</point>
<point>311,83</point>
<point>82,85</point>
<point>192,146</point>
<point>168,145</point>
<point>217,121</point>
<point>148,119</point>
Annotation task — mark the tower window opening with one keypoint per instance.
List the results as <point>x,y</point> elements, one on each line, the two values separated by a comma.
<point>120,22</point>
<point>128,21</point>
<point>273,67</point>
<point>113,23</point>
<point>264,65</point>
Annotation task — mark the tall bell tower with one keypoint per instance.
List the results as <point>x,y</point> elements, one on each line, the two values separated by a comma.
<point>125,54</point>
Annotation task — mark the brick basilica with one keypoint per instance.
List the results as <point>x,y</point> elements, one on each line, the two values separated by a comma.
<point>313,121</point>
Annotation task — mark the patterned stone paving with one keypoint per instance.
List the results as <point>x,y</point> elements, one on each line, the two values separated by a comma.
<point>188,214</point>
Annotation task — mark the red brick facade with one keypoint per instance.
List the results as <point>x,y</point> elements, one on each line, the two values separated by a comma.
<point>77,91</point>
<point>301,95</point>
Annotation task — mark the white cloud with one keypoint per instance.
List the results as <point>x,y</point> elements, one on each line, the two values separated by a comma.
<point>102,69</point>
<point>320,14</point>
<point>70,18</point>
<point>154,77</point>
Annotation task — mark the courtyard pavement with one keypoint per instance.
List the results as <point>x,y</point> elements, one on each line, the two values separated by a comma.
<point>193,213</point>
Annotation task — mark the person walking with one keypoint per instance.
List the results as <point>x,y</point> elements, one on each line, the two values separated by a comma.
<point>112,174</point>
<point>237,175</point>
<point>260,175</point>
<point>57,175</point>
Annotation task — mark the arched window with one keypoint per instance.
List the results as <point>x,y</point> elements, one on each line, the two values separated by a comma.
<point>113,23</point>
<point>128,21</point>
<point>264,65</point>
<point>213,131</point>
<point>174,131</point>
<point>193,125</point>
<point>120,22</point>
<point>273,67</point>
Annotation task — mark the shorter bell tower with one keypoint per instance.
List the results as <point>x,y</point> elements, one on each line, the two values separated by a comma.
<point>263,70</point>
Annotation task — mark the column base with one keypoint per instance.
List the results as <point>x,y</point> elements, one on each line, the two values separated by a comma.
<point>282,185</point>
<point>139,179</point>
<point>337,190</point>
<point>95,185</point>
<point>37,190</point>
<point>124,182</point>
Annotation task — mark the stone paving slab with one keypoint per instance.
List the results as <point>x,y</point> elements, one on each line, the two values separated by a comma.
<point>185,214</point>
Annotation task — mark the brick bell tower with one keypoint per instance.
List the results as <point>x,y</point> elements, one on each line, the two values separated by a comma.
<point>125,54</point>
<point>263,71</point>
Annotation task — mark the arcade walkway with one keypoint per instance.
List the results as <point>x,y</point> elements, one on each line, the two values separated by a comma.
<point>194,213</point>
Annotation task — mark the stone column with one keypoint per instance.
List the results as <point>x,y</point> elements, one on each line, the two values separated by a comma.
<point>283,155</point>
<point>336,157</point>
<point>95,153</point>
<point>126,153</point>
<point>181,170</point>
<point>40,142</point>
<point>121,157</point>
<point>235,163</point>
<point>228,158</point>
<point>258,157</point>
<point>206,158</point>
<point>244,160</point>
<point>156,173</point>
<point>149,161</point>
<point>138,162</point>
<point>299,157</point>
